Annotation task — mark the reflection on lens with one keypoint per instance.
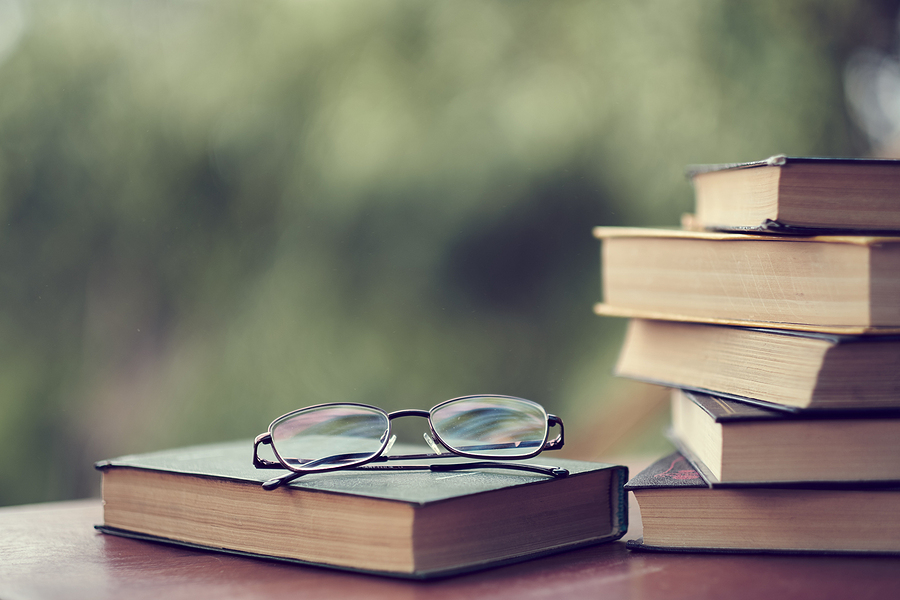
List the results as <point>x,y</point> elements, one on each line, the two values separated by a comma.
<point>491,426</point>
<point>328,436</point>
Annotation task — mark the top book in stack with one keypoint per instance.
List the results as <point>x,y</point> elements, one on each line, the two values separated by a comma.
<point>798,195</point>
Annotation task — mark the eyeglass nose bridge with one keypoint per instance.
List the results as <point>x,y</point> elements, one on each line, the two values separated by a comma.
<point>409,412</point>
<point>415,412</point>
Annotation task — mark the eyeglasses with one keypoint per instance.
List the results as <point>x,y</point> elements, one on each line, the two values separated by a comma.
<point>329,437</point>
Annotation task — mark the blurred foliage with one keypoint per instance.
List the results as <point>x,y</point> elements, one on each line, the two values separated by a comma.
<point>216,212</point>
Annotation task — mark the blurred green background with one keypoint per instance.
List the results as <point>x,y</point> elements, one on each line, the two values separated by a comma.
<point>216,212</point>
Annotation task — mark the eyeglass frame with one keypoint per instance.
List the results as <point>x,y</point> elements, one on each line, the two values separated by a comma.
<point>265,439</point>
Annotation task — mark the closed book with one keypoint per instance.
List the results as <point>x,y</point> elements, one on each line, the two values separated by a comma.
<point>781,368</point>
<point>680,512</point>
<point>798,195</point>
<point>835,284</point>
<point>734,443</point>
<point>415,524</point>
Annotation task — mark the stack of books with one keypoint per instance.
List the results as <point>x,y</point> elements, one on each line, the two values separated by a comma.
<point>773,313</point>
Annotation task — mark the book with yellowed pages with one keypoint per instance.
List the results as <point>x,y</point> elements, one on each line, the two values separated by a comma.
<point>798,195</point>
<point>681,513</point>
<point>414,524</point>
<point>781,368</point>
<point>732,443</point>
<point>836,284</point>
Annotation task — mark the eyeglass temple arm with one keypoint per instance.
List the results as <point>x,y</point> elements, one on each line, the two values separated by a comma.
<point>275,482</point>
<point>264,439</point>
<point>556,472</point>
<point>557,443</point>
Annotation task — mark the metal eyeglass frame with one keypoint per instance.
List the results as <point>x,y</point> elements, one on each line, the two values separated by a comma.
<point>265,439</point>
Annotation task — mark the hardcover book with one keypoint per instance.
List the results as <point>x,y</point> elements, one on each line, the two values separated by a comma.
<point>835,284</point>
<point>681,513</point>
<point>733,443</point>
<point>415,524</point>
<point>798,195</point>
<point>787,369</point>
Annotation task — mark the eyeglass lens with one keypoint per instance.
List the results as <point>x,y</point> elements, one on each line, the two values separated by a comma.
<point>328,436</point>
<point>491,426</point>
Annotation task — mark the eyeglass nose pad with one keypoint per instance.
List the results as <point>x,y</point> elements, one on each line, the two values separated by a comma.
<point>431,443</point>
<point>390,445</point>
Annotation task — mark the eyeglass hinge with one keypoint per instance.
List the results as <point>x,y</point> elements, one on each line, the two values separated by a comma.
<point>557,443</point>
<point>261,463</point>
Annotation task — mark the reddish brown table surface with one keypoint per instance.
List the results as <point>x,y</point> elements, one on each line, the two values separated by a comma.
<point>52,551</point>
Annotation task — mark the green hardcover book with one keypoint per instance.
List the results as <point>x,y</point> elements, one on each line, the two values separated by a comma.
<point>680,512</point>
<point>416,524</point>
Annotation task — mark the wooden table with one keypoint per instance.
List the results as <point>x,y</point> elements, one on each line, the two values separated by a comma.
<point>52,551</point>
